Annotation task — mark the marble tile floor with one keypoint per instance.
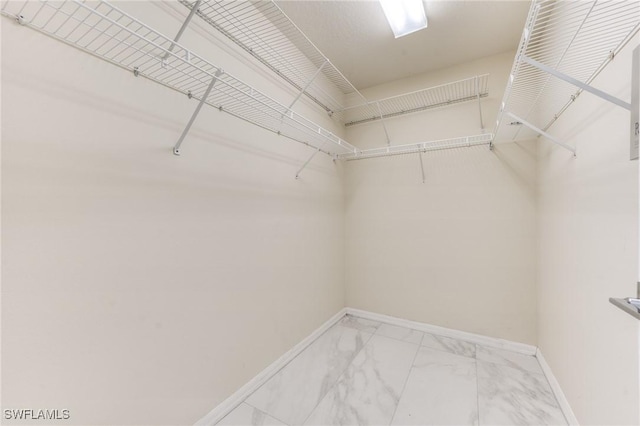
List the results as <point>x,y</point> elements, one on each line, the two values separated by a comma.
<point>362,372</point>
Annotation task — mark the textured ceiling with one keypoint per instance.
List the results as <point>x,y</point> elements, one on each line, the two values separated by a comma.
<point>356,37</point>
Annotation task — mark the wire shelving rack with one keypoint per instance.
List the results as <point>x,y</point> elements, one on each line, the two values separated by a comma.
<point>421,147</point>
<point>263,30</point>
<point>468,89</point>
<point>564,47</point>
<point>104,31</point>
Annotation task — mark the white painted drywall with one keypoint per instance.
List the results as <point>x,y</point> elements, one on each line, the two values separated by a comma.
<point>143,288</point>
<point>588,251</point>
<point>459,250</point>
<point>139,287</point>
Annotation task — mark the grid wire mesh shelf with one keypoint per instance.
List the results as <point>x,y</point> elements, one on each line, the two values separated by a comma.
<point>263,30</point>
<point>575,38</point>
<point>468,89</point>
<point>415,148</point>
<point>104,31</point>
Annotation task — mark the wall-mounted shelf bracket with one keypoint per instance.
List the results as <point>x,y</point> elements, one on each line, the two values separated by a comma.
<point>543,133</point>
<point>176,148</point>
<point>184,26</point>
<point>384,125</point>
<point>306,86</point>
<point>577,83</point>
<point>478,94</point>
<point>422,167</point>
<point>307,162</point>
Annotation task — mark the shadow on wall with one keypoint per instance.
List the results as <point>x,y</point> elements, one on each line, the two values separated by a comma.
<point>106,105</point>
<point>516,169</point>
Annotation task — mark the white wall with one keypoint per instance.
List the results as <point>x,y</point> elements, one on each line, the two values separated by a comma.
<point>588,251</point>
<point>143,288</point>
<point>458,251</point>
<point>139,287</point>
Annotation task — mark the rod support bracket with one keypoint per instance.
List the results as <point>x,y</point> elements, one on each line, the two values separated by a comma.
<point>136,71</point>
<point>176,151</point>
<point>20,19</point>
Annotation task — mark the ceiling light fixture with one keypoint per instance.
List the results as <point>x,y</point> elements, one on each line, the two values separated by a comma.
<point>404,16</point>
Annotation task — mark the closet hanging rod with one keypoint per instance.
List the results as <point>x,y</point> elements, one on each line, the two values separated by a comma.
<point>106,32</point>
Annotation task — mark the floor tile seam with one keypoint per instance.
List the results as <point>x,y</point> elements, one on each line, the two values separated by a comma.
<point>477,387</point>
<point>342,373</point>
<point>517,369</point>
<point>400,340</point>
<point>275,373</point>
<point>448,352</point>
<point>453,338</point>
<point>435,334</point>
<point>544,379</point>
<point>361,330</point>
<point>262,411</point>
<point>404,386</point>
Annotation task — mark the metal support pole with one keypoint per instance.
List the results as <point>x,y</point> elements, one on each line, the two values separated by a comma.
<point>479,103</point>
<point>384,126</point>
<point>304,89</point>
<point>307,162</point>
<point>184,26</point>
<point>543,133</point>
<point>421,167</point>
<point>571,80</point>
<point>176,149</point>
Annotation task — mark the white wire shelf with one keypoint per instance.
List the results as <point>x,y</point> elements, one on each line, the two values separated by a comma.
<point>263,30</point>
<point>415,148</point>
<point>571,38</point>
<point>104,31</point>
<point>468,89</point>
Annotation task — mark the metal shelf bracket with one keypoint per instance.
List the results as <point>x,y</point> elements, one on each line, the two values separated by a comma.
<point>543,133</point>
<point>306,162</point>
<point>384,125</point>
<point>477,84</point>
<point>176,148</point>
<point>304,89</point>
<point>581,85</point>
<point>184,26</point>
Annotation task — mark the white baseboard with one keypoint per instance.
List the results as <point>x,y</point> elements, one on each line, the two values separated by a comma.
<point>251,386</point>
<point>557,390</point>
<point>447,332</point>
